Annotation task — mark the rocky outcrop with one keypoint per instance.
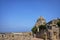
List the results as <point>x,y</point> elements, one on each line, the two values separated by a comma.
<point>52,29</point>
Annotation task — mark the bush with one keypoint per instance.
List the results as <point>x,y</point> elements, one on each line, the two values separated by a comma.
<point>58,23</point>
<point>34,30</point>
<point>41,27</point>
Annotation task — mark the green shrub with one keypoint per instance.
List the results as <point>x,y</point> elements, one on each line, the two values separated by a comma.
<point>41,27</point>
<point>58,23</point>
<point>34,30</point>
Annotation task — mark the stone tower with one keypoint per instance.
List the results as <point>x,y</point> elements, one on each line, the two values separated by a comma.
<point>40,21</point>
<point>53,31</point>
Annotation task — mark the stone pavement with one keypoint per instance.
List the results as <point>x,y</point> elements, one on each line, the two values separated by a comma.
<point>37,39</point>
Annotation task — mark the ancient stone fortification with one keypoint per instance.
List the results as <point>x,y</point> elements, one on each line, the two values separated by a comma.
<point>51,32</point>
<point>17,36</point>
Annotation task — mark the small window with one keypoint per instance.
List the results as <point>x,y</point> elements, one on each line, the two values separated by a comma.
<point>49,27</point>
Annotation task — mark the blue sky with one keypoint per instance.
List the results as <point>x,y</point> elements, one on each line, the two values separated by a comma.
<point>21,15</point>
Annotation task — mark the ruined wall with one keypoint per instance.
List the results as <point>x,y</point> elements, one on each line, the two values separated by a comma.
<point>15,36</point>
<point>18,36</point>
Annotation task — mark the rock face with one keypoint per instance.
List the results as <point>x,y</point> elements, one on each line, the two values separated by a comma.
<point>52,29</point>
<point>54,21</point>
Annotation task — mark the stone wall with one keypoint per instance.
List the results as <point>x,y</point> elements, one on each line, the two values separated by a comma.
<point>18,36</point>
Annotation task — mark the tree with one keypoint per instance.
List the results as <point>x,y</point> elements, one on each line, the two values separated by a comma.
<point>34,30</point>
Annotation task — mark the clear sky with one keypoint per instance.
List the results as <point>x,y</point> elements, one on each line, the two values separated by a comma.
<point>21,15</point>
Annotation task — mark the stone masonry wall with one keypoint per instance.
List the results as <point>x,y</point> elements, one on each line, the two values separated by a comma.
<point>17,36</point>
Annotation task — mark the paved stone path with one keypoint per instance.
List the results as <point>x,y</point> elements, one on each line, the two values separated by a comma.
<point>36,39</point>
